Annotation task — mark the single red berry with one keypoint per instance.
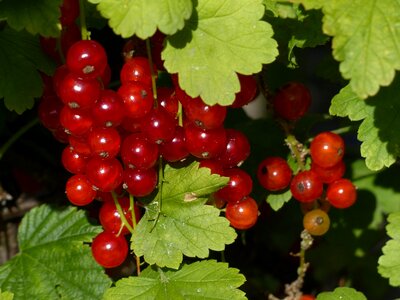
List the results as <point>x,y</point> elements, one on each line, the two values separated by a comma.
<point>204,143</point>
<point>80,145</point>
<point>108,111</point>
<point>215,166</point>
<point>80,190</point>
<point>72,161</point>
<point>306,186</point>
<point>341,193</point>
<point>137,69</point>
<point>139,182</point>
<point>110,218</point>
<point>292,101</point>
<point>237,149</point>
<point>239,186</point>
<point>166,98</point>
<point>86,58</point>
<point>243,214</point>
<point>137,152</point>
<point>330,174</point>
<point>104,142</point>
<point>175,149</point>
<point>109,250</point>
<point>79,93</point>
<point>158,125</point>
<point>104,174</point>
<point>76,121</point>
<point>248,91</point>
<point>327,149</point>
<point>203,115</point>
<point>274,173</point>
<point>137,99</point>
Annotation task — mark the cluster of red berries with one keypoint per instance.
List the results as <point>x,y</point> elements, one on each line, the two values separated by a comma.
<point>117,138</point>
<point>327,167</point>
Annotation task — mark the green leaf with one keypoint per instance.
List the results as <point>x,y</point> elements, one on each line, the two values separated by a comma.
<point>37,17</point>
<point>20,60</point>
<point>220,39</point>
<point>143,17</point>
<point>281,9</point>
<point>6,295</point>
<point>389,262</point>
<point>200,280</point>
<point>310,4</point>
<point>178,222</point>
<point>365,41</point>
<point>381,122</point>
<point>342,293</point>
<point>54,262</point>
<point>278,200</point>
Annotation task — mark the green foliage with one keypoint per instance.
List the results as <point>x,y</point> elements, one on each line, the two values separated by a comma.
<point>20,61</point>
<point>187,283</point>
<point>143,17</point>
<point>379,129</point>
<point>178,222</point>
<point>37,17</point>
<point>389,262</point>
<point>6,295</point>
<point>53,261</point>
<point>310,4</point>
<point>342,293</point>
<point>218,41</point>
<point>277,200</point>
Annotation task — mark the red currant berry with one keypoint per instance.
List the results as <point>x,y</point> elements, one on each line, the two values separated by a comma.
<point>214,165</point>
<point>175,149</point>
<point>137,99</point>
<point>86,58</point>
<point>79,190</point>
<point>248,91</point>
<point>341,193</point>
<point>137,69</point>
<point>237,149</point>
<point>109,250</point>
<point>327,149</point>
<point>292,101</point>
<point>108,110</point>
<point>139,182</point>
<point>110,218</point>
<point>328,175</point>
<point>80,145</point>
<point>166,98</point>
<point>104,142</point>
<point>58,78</point>
<point>104,174</point>
<point>316,222</point>
<point>274,173</point>
<point>72,161</point>
<point>76,121</point>
<point>243,214</point>
<point>204,143</point>
<point>203,115</point>
<point>137,152</point>
<point>239,186</point>
<point>158,126</point>
<point>306,186</point>
<point>79,93</point>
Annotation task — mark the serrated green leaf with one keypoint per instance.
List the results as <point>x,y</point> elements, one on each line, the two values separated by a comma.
<point>281,9</point>
<point>179,223</point>
<point>389,262</point>
<point>143,17</point>
<point>53,261</point>
<point>382,185</point>
<point>342,293</point>
<point>276,201</point>
<point>201,280</point>
<point>220,39</point>
<point>310,4</point>
<point>381,122</point>
<point>6,295</point>
<point>365,41</point>
<point>37,17</point>
<point>20,60</point>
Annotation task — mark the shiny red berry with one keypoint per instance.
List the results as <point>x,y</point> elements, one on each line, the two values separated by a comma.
<point>239,186</point>
<point>306,186</point>
<point>76,121</point>
<point>104,174</point>
<point>138,152</point>
<point>137,99</point>
<point>109,250</point>
<point>108,111</point>
<point>237,149</point>
<point>203,115</point>
<point>140,182</point>
<point>341,193</point>
<point>104,142</point>
<point>248,91</point>
<point>79,190</point>
<point>243,214</point>
<point>330,174</point>
<point>175,149</point>
<point>73,161</point>
<point>158,125</point>
<point>137,69</point>
<point>274,173</point>
<point>327,149</point>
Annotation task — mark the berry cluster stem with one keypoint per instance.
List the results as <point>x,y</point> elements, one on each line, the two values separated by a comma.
<point>85,34</point>
<point>297,150</point>
<point>121,213</point>
<point>153,75</point>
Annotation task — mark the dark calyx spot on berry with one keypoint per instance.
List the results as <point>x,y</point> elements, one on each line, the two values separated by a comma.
<point>199,123</point>
<point>300,187</point>
<point>319,220</point>
<point>205,154</point>
<point>143,93</point>
<point>73,105</point>
<point>264,170</point>
<point>88,69</point>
